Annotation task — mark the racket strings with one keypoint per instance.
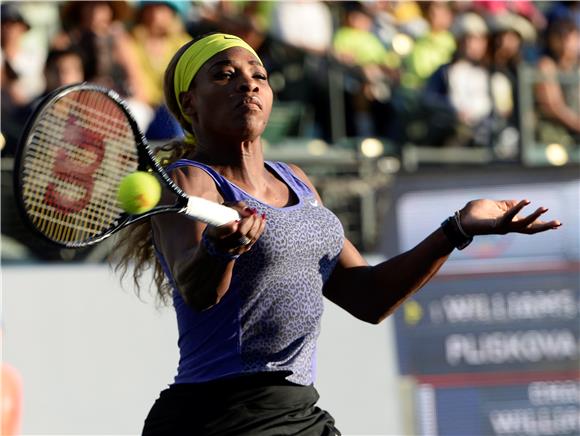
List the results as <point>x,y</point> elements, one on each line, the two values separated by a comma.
<point>50,132</point>
<point>121,141</point>
<point>81,148</point>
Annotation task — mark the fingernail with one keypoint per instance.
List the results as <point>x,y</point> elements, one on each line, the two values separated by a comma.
<point>247,209</point>
<point>254,211</point>
<point>263,216</point>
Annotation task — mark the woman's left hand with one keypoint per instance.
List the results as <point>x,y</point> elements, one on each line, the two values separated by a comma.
<point>486,217</point>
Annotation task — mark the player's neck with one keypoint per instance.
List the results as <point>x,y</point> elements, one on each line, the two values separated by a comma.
<point>242,162</point>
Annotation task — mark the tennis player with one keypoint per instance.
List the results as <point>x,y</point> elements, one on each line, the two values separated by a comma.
<point>248,295</point>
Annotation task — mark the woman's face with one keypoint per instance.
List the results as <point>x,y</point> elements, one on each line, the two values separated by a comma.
<point>440,16</point>
<point>66,70</point>
<point>509,43</point>
<point>12,31</point>
<point>230,97</point>
<point>571,45</point>
<point>158,18</point>
<point>96,16</point>
<point>475,47</point>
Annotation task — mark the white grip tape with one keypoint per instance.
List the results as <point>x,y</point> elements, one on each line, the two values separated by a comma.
<point>210,212</point>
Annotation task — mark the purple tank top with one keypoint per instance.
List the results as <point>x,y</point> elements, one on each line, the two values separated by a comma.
<point>269,319</point>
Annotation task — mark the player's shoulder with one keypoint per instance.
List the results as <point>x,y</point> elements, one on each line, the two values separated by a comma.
<point>195,181</point>
<point>299,172</point>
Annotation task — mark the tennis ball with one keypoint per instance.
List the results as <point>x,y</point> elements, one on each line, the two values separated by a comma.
<point>138,192</point>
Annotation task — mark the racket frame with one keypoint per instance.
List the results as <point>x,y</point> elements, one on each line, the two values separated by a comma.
<point>145,162</point>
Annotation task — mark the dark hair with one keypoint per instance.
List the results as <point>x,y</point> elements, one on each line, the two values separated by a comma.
<point>425,6</point>
<point>135,245</point>
<point>71,12</point>
<point>10,13</point>
<point>55,54</point>
<point>557,30</point>
<point>561,26</point>
<point>11,74</point>
<point>145,4</point>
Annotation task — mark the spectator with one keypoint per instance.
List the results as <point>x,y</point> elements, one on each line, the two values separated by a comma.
<point>432,49</point>
<point>462,87</point>
<point>25,63</point>
<point>289,19</point>
<point>298,63</point>
<point>559,102</point>
<point>13,111</point>
<point>246,19</point>
<point>354,42</point>
<point>62,68</point>
<point>96,30</point>
<point>158,32</point>
<point>508,34</point>
<point>355,45</point>
<point>16,68</point>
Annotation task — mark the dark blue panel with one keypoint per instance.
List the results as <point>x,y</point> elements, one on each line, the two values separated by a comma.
<point>519,322</point>
<point>537,408</point>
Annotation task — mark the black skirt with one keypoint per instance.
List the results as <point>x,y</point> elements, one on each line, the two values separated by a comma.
<point>252,405</point>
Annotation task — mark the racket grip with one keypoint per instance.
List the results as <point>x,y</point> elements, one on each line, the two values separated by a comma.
<point>210,212</point>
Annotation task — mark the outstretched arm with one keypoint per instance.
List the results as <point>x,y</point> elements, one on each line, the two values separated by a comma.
<point>373,293</point>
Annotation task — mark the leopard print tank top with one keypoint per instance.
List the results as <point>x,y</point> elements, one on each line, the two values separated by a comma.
<point>269,319</point>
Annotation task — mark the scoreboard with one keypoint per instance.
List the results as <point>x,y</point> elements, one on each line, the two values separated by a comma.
<point>491,344</point>
<point>533,408</point>
<point>518,322</point>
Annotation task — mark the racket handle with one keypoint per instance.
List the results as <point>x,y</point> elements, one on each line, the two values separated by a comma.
<point>210,212</point>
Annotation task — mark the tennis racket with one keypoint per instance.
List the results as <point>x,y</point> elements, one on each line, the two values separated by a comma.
<point>77,147</point>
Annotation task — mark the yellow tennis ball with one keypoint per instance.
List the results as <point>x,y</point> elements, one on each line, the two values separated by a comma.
<point>138,192</point>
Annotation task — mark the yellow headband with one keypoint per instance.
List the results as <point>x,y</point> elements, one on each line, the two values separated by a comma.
<point>198,54</point>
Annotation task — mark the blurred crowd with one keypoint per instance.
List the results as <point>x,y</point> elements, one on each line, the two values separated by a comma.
<point>435,73</point>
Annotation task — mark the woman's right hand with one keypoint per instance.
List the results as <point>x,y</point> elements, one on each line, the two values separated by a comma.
<point>238,237</point>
